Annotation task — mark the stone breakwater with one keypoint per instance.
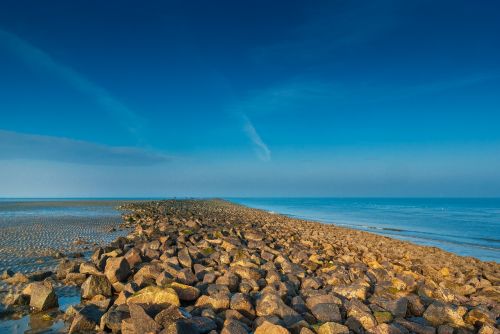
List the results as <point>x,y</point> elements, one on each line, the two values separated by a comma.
<point>195,266</point>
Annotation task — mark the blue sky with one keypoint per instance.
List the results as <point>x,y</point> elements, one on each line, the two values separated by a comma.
<point>257,98</point>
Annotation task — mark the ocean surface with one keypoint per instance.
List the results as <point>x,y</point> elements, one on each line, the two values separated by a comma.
<point>465,226</point>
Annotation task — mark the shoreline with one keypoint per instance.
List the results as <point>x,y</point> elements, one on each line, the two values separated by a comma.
<point>225,266</point>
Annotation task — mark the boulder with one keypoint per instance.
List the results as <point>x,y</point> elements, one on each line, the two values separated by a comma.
<point>185,292</point>
<point>243,304</point>
<point>112,320</point>
<point>43,296</point>
<point>155,295</point>
<point>332,328</point>
<point>271,304</point>
<point>86,319</point>
<point>117,269</point>
<point>440,314</point>
<point>326,312</point>
<point>141,321</point>
<point>184,258</point>
<point>269,328</point>
<point>96,285</point>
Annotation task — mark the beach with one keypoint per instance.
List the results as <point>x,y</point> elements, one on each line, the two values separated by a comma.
<point>212,266</point>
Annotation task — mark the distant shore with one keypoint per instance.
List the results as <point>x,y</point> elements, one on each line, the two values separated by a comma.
<point>211,266</point>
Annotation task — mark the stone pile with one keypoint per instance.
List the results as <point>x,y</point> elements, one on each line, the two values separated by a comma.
<point>212,267</point>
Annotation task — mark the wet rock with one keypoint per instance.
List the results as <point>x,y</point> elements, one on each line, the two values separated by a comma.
<point>96,285</point>
<point>65,267</point>
<point>86,319</point>
<point>43,296</point>
<point>6,274</point>
<point>39,275</point>
<point>17,278</point>
<point>89,269</point>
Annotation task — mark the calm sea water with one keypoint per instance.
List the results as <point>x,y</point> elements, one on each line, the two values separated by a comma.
<point>468,227</point>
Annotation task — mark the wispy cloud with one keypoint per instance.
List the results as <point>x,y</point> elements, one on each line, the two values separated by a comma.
<point>37,57</point>
<point>15,145</point>
<point>299,95</point>
<point>261,149</point>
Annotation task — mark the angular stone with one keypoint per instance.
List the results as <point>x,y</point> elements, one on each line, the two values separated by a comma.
<point>170,315</point>
<point>155,295</point>
<point>440,314</point>
<point>233,326</point>
<point>243,304</point>
<point>271,304</point>
<point>246,272</point>
<point>184,258</point>
<point>141,321</point>
<point>185,292</point>
<point>112,319</point>
<point>326,312</point>
<point>43,296</point>
<point>415,326</point>
<point>86,319</point>
<point>117,269</point>
<point>333,328</point>
<point>96,285</point>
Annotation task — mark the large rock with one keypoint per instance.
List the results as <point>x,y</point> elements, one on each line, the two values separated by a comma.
<point>86,320</point>
<point>155,295</point>
<point>185,292</point>
<point>112,320</point>
<point>170,315</point>
<point>271,304</point>
<point>440,314</point>
<point>185,258</point>
<point>65,267</point>
<point>333,328</point>
<point>117,269</point>
<point>232,326</point>
<point>243,304</point>
<point>246,272</point>
<point>43,296</point>
<point>141,321</point>
<point>96,285</point>
<point>326,312</point>
<point>270,328</point>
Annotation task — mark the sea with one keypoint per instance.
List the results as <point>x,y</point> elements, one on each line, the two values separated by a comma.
<point>464,226</point>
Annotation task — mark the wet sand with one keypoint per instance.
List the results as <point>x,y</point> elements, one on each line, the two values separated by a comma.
<point>33,233</point>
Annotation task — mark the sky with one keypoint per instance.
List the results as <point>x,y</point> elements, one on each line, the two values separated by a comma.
<point>249,98</point>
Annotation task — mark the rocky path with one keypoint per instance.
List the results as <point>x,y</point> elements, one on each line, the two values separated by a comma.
<point>210,266</point>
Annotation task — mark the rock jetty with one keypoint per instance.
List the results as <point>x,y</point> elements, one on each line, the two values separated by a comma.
<point>210,266</point>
